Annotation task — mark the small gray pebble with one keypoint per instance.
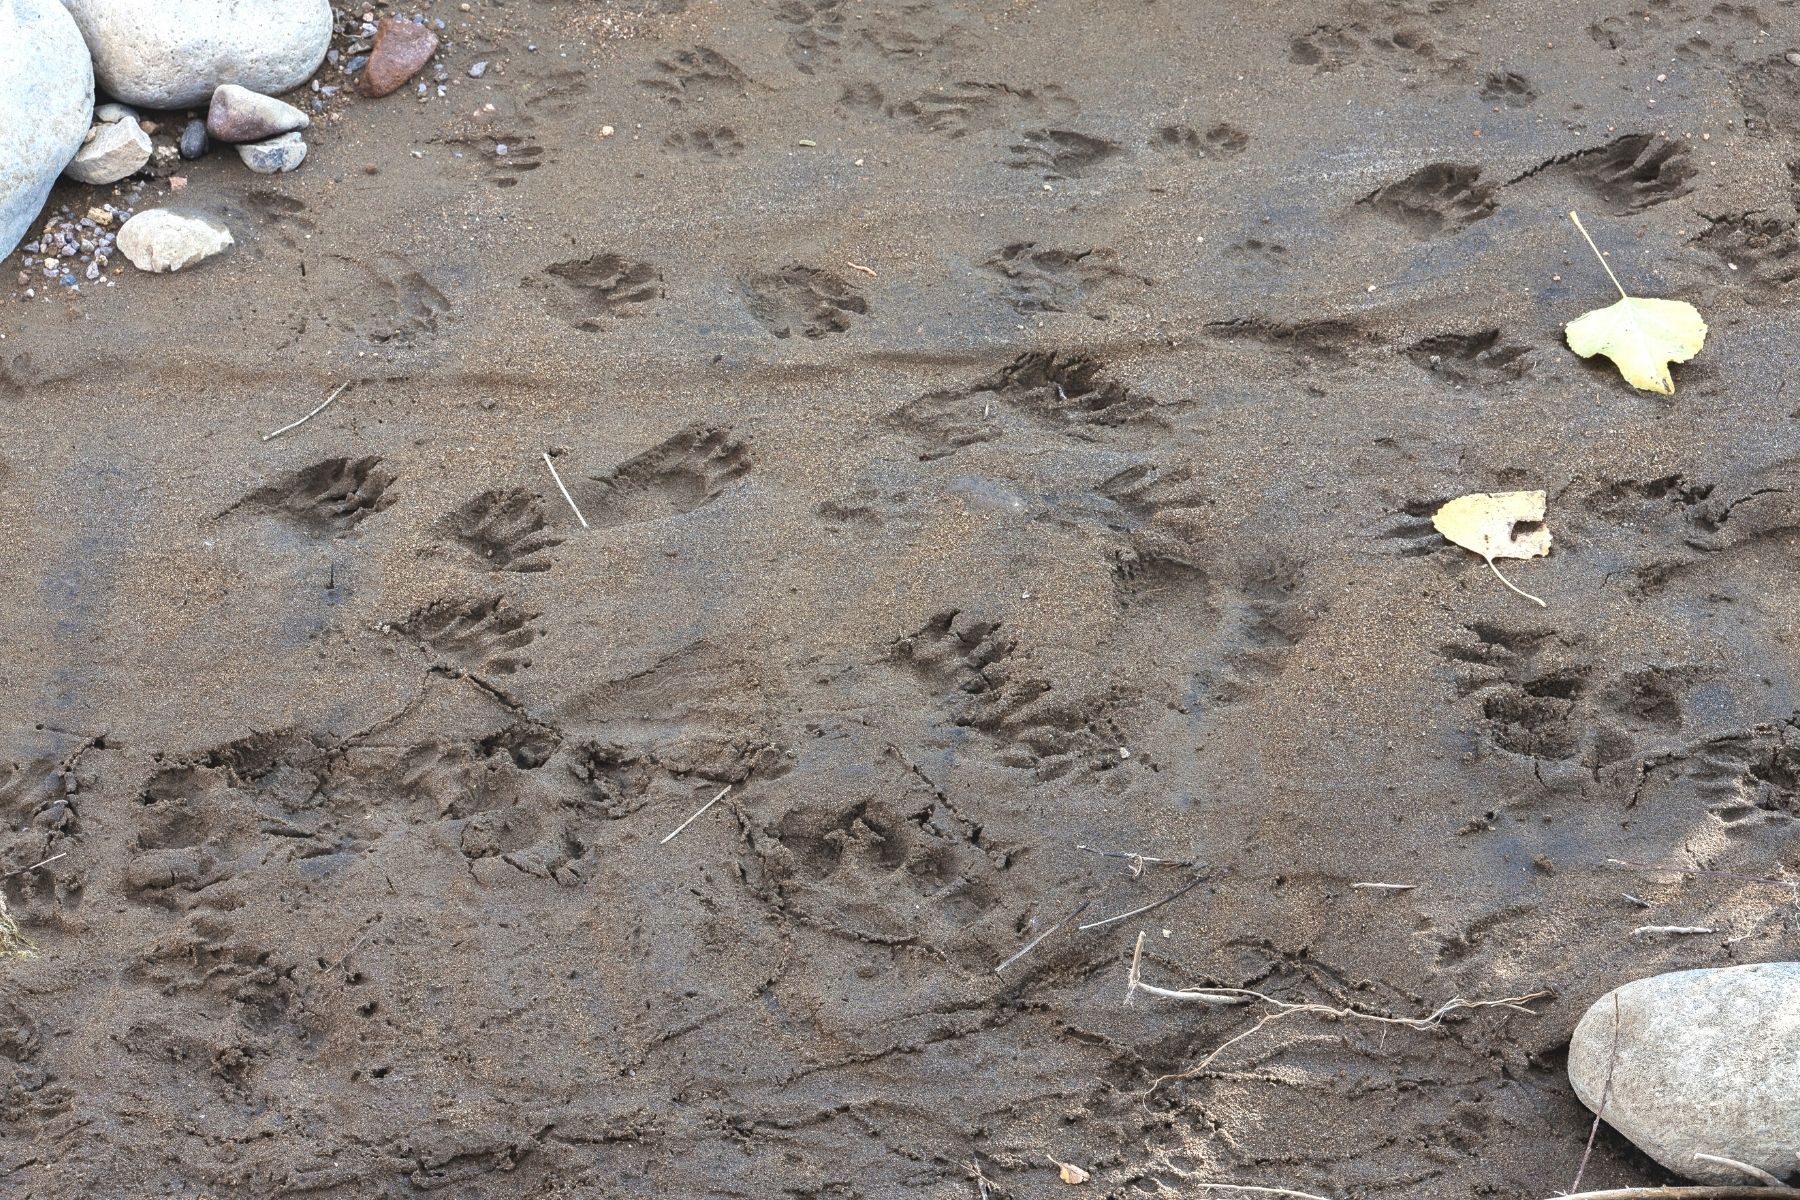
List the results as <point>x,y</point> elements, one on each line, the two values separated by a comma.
<point>356,64</point>
<point>477,70</point>
<point>194,141</point>
<point>500,149</point>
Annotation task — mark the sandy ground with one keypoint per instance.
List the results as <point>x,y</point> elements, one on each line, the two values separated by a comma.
<point>1093,512</point>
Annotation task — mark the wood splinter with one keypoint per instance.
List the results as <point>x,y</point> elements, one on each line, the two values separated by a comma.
<point>309,416</point>
<point>698,813</point>
<point>565,495</point>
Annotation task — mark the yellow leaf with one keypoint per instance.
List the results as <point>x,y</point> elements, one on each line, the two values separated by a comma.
<point>1070,1172</point>
<point>1642,337</point>
<point>1487,523</point>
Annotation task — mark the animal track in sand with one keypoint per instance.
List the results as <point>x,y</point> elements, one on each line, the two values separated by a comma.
<point>396,303</point>
<point>1437,198</point>
<point>1036,279</point>
<point>1060,153</point>
<point>328,499</point>
<point>1329,48</point>
<point>1508,88</point>
<point>709,143</point>
<point>1323,339</point>
<point>1762,253</point>
<point>958,109</point>
<point>815,31</point>
<point>987,685</point>
<point>875,871</point>
<point>485,636</point>
<point>505,529</point>
<point>1261,618</point>
<point>697,75</point>
<point>1627,174</point>
<point>1070,392</point>
<point>684,472</point>
<point>806,300</point>
<point>1483,356</point>
<point>586,292</point>
<point>521,158</point>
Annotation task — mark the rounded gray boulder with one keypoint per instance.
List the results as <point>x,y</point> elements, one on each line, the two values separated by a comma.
<point>46,104</point>
<point>173,53</point>
<point>1707,1062</point>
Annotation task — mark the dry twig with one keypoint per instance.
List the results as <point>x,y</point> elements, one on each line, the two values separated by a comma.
<point>1029,946</point>
<point>1177,894</point>
<point>1134,983</point>
<point>309,416</point>
<point>697,815</point>
<point>1612,1060</point>
<point>565,491</point>
<point>1285,1008</point>
<point>1754,1172</point>
<point>1139,861</point>
<point>34,866</point>
<point>1671,868</point>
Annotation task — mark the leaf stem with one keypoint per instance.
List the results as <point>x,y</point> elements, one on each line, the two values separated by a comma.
<point>1603,266</point>
<point>1509,583</point>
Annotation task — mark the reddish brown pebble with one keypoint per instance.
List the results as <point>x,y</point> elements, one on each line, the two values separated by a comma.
<point>401,48</point>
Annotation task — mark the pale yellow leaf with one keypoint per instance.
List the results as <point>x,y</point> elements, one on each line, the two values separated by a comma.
<point>1071,1173</point>
<point>1487,523</point>
<point>1642,337</point>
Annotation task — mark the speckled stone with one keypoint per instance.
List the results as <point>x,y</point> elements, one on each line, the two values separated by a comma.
<point>276,155</point>
<point>1708,1062</point>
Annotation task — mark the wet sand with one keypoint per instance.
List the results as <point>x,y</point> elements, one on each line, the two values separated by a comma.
<point>1003,428</point>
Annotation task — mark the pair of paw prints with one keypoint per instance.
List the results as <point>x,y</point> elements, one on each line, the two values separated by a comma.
<point>508,529</point>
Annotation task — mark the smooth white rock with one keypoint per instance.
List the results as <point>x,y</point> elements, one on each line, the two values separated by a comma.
<point>113,112</point>
<point>168,239</point>
<point>46,107</point>
<point>173,53</point>
<point>1708,1063</point>
<point>278,154</point>
<point>113,151</point>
